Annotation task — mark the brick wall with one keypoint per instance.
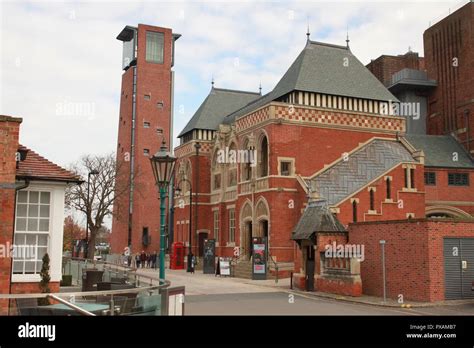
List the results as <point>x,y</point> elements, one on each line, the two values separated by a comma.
<point>451,39</point>
<point>9,132</point>
<point>153,81</point>
<point>413,254</point>
<point>442,194</point>
<point>385,66</point>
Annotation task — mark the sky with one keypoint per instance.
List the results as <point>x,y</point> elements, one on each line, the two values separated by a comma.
<point>58,54</point>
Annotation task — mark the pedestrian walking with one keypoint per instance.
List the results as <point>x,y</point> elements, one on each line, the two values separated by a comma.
<point>193,263</point>
<point>143,259</point>
<point>154,257</point>
<point>137,260</point>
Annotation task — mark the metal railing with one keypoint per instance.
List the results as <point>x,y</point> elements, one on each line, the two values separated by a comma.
<point>270,257</point>
<point>135,294</point>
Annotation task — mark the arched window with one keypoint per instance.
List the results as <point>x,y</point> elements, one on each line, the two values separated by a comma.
<point>263,167</point>
<point>216,175</point>
<point>247,166</point>
<point>232,166</point>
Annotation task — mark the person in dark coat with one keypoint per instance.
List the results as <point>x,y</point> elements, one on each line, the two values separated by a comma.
<point>193,263</point>
<point>143,259</point>
<point>154,257</point>
<point>137,260</point>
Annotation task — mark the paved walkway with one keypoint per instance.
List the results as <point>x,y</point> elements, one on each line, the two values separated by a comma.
<point>208,284</point>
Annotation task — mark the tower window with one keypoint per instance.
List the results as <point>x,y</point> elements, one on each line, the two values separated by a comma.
<point>146,152</point>
<point>146,124</point>
<point>154,47</point>
<point>159,130</point>
<point>160,104</point>
<point>146,238</point>
<point>147,97</point>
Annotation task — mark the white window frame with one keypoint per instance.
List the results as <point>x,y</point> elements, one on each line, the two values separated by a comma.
<point>37,232</point>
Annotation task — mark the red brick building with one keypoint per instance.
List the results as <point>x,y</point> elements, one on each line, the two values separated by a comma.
<point>329,132</point>
<point>330,138</point>
<point>31,215</point>
<point>449,59</point>
<point>146,106</point>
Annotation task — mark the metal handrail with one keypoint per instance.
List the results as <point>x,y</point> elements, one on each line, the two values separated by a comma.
<point>276,266</point>
<point>71,305</point>
<point>166,284</point>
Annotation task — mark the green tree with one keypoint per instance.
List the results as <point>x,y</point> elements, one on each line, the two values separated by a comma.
<point>45,278</point>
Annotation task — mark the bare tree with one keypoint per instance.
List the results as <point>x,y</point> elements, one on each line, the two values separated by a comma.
<point>104,190</point>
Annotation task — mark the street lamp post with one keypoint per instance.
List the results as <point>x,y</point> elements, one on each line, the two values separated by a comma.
<point>88,205</point>
<point>196,212</point>
<point>162,164</point>
<point>178,191</point>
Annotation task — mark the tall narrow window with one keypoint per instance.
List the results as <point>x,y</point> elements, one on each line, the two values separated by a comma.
<point>354,211</point>
<point>412,178</point>
<point>231,225</point>
<point>264,157</point>
<point>154,47</point>
<point>216,225</point>
<point>389,188</point>
<point>372,199</point>
<point>406,177</point>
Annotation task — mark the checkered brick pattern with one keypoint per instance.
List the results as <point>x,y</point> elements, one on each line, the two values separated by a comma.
<point>252,119</point>
<point>189,148</point>
<point>375,122</point>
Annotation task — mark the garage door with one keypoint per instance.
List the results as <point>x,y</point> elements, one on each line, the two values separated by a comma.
<point>458,268</point>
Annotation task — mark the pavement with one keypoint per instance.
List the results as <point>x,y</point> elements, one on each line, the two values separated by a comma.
<point>210,295</point>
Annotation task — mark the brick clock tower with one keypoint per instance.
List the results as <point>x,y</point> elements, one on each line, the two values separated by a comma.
<point>146,109</point>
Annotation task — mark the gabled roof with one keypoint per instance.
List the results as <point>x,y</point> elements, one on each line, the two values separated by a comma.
<point>316,218</point>
<point>219,103</point>
<point>320,68</point>
<point>35,167</point>
<point>439,150</point>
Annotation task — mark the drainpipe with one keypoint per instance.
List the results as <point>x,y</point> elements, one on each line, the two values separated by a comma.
<point>18,188</point>
<point>132,157</point>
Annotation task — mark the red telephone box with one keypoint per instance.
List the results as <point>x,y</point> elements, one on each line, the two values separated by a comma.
<point>177,256</point>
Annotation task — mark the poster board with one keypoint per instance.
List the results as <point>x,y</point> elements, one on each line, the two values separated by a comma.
<point>259,262</point>
<point>224,267</point>
<point>209,256</point>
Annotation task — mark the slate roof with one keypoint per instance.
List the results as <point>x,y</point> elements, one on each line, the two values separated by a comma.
<point>316,218</point>
<point>439,150</point>
<point>319,68</point>
<point>219,103</point>
<point>35,167</point>
<point>363,166</point>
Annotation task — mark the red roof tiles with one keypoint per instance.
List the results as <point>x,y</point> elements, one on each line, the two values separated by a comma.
<point>39,168</point>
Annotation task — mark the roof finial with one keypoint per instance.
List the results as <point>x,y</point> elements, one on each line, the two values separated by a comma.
<point>212,81</point>
<point>347,38</point>
<point>307,30</point>
<point>260,87</point>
